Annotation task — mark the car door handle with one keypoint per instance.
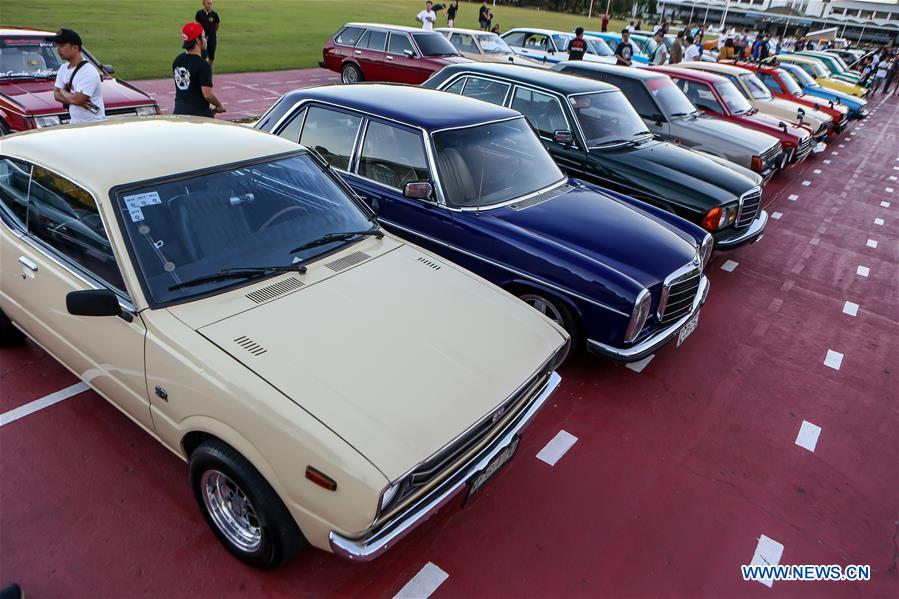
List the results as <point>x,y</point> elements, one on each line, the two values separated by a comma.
<point>28,263</point>
<point>359,52</point>
<point>389,57</point>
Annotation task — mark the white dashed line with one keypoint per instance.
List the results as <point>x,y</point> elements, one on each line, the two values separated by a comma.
<point>423,584</point>
<point>892,178</point>
<point>729,266</point>
<point>889,190</point>
<point>863,271</point>
<point>842,146</point>
<point>850,308</point>
<point>808,435</point>
<point>776,215</point>
<point>833,360</point>
<point>246,101</point>
<point>826,161</point>
<point>878,221</point>
<point>884,204</point>
<point>872,243</point>
<point>817,171</point>
<point>834,153</point>
<point>40,404</point>
<point>639,365</point>
<point>806,183</point>
<point>556,448</point>
<point>792,197</point>
<point>767,553</point>
<point>896,168</point>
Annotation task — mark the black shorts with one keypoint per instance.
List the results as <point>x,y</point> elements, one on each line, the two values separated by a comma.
<point>209,52</point>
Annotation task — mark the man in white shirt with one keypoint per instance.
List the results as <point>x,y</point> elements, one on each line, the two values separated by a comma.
<point>427,17</point>
<point>694,52</point>
<point>77,84</point>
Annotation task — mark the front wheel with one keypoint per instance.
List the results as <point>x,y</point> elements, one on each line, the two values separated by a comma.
<point>557,312</point>
<point>241,508</point>
<point>350,73</point>
<point>9,334</point>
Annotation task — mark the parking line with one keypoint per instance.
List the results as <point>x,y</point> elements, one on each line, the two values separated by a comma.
<point>884,204</point>
<point>423,584</point>
<point>792,197</point>
<point>729,266</point>
<point>806,183</point>
<point>776,215</point>
<point>850,308</point>
<point>834,153</point>
<point>556,448</point>
<point>863,271</point>
<point>808,436</point>
<point>878,221</point>
<point>639,365</point>
<point>817,171</point>
<point>893,178</point>
<point>826,161</point>
<point>767,553</point>
<point>40,404</point>
<point>889,190</point>
<point>872,243</point>
<point>833,360</point>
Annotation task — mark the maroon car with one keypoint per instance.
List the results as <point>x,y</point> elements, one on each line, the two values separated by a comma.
<point>28,66</point>
<point>372,52</point>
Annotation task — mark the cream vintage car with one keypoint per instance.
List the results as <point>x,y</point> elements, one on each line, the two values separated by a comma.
<point>486,46</point>
<point>326,382</point>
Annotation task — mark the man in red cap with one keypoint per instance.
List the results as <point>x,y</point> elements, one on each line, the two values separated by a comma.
<point>193,76</point>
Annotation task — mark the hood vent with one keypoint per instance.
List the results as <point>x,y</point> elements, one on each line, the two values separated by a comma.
<point>427,262</point>
<point>348,261</point>
<point>272,291</point>
<point>250,345</point>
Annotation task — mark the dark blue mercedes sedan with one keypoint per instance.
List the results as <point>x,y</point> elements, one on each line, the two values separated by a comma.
<point>472,182</point>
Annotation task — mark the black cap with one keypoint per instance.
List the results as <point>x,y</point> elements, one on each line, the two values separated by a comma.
<point>66,36</point>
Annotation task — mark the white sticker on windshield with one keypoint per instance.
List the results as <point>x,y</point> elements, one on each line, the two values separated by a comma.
<point>136,214</point>
<point>140,200</point>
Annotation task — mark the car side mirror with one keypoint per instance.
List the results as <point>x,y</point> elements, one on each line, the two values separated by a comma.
<point>409,53</point>
<point>109,68</point>
<point>659,119</point>
<point>418,190</point>
<point>563,136</point>
<point>93,302</point>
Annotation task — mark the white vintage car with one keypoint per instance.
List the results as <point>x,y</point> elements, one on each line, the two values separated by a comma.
<point>326,382</point>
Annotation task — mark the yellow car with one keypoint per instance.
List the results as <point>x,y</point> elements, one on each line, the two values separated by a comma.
<point>813,67</point>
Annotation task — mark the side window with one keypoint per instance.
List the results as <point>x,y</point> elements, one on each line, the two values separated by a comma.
<point>399,43</point>
<point>349,36</point>
<point>739,84</point>
<point>537,42</point>
<point>362,42</point>
<point>456,88</point>
<point>291,130</point>
<point>376,40</point>
<point>464,43</point>
<point>770,82</point>
<point>486,90</point>
<point>515,39</point>
<point>700,95</point>
<point>392,156</point>
<point>65,217</point>
<point>331,134</point>
<point>637,95</point>
<point>14,179</point>
<point>541,110</point>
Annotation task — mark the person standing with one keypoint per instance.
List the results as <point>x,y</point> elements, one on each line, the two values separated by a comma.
<point>427,17</point>
<point>694,52</point>
<point>624,52</point>
<point>605,22</point>
<point>78,86</point>
<point>659,51</point>
<point>577,47</point>
<point>728,52</point>
<point>451,13</point>
<point>630,27</point>
<point>891,74</point>
<point>193,76</point>
<point>484,16</point>
<point>210,21</point>
<point>677,48</point>
<point>880,74</point>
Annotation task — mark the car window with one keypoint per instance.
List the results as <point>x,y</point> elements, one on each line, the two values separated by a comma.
<point>377,40</point>
<point>515,39</point>
<point>542,110</point>
<point>607,118</point>
<point>770,82</point>
<point>331,134</point>
<point>486,90</point>
<point>700,95</point>
<point>637,95</point>
<point>399,43</point>
<point>756,88</point>
<point>66,217</point>
<point>14,179</point>
<point>431,43</point>
<point>291,130</point>
<point>349,36</point>
<point>28,57</point>
<point>561,41</point>
<point>537,41</point>
<point>669,97</point>
<point>457,87</point>
<point>465,43</point>
<point>392,156</point>
<point>363,41</point>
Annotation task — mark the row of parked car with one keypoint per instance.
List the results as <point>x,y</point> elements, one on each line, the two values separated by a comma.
<point>344,319</point>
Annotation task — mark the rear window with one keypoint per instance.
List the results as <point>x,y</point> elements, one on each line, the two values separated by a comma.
<point>434,44</point>
<point>349,35</point>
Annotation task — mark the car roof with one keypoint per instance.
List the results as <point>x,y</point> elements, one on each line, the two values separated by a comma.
<point>463,30</point>
<point>797,58</point>
<point>100,156</point>
<point>717,67</point>
<point>629,72</point>
<point>553,80</point>
<point>22,31</point>
<point>425,108</point>
<point>706,76</point>
<point>538,30</point>
<point>392,27</point>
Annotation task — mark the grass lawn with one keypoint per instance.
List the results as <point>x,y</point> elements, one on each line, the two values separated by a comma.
<point>142,37</point>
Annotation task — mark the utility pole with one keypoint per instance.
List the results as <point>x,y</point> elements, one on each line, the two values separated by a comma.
<point>590,12</point>
<point>690,20</point>
<point>707,7</point>
<point>724,16</point>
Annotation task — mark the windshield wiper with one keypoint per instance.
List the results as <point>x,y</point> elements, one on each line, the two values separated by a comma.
<point>674,115</point>
<point>249,272</point>
<point>332,237</point>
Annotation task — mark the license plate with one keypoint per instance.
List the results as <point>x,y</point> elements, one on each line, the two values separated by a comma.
<point>687,328</point>
<point>498,461</point>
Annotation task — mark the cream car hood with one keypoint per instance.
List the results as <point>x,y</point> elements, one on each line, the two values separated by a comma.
<point>789,111</point>
<point>397,355</point>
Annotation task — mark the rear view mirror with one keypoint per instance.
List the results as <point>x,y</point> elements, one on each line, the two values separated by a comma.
<point>93,302</point>
<point>418,190</point>
<point>409,53</point>
<point>563,137</point>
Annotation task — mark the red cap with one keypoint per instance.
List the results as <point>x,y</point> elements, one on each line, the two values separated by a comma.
<point>191,31</point>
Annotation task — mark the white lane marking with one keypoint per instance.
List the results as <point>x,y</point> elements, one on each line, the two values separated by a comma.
<point>826,161</point>
<point>767,553</point>
<point>890,190</point>
<point>40,404</point>
<point>872,243</point>
<point>850,308</point>
<point>423,584</point>
<point>896,168</point>
<point>729,266</point>
<point>863,271</point>
<point>833,360</point>
<point>806,183</point>
<point>776,215</point>
<point>817,171</point>
<point>878,221</point>
<point>246,101</point>
<point>792,197</point>
<point>884,204</point>
<point>893,178</point>
<point>556,448</point>
<point>639,365</point>
<point>808,435</point>
<point>842,146</point>
<point>834,153</point>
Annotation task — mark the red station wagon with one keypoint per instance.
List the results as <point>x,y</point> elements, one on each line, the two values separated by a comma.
<point>28,65</point>
<point>372,52</point>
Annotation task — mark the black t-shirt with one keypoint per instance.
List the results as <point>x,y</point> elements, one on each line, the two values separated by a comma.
<point>191,73</point>
<point>624,50</point>
<point>451,11</point>
<point>484,14</point>
<point>577,48</point>
<point>208,22</point>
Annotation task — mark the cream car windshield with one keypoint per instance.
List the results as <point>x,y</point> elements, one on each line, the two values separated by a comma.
<point>494,44</point>
<point>188,228</point>
<point>756,87</point>
<point>493,163</point>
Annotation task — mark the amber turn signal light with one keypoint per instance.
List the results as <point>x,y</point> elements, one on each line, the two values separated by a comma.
<point>757,164</point>
<point>321,479</point>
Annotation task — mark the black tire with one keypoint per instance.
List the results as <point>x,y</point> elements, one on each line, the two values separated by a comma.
<point>350,73</point>
<point>556,310</point>
<point>280,537</point>
<point>9,334</point>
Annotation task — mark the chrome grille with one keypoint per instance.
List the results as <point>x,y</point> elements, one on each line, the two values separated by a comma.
<point>680,295</point>
<point>770,154</point>
<point>805,146</point>
<point>749,207</point>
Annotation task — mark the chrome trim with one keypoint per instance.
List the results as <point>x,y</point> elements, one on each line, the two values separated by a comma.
<point>377,542</point>
<point>755,190</point>
<point>630,334</point>
<point>29,264</point>
<point>693,266</point>
<point>755,229</point>
<point>654,342</point>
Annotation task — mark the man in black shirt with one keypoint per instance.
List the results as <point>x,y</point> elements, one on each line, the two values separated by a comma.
<point>193,76</point>
<point>209,19</point>
<point>451,11</point>
<point>484,16</point>
<point>625,50</point>
<point>578,46</point>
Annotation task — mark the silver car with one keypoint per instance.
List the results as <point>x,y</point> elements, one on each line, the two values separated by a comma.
<point>669,114</point>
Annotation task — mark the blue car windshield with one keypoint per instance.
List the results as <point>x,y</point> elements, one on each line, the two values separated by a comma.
<point>184,228</point>
<point>801,76</point>
<point>493,163</point>
<point>599,46</point>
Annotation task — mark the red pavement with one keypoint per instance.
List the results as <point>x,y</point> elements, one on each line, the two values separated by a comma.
<point>676,473</point>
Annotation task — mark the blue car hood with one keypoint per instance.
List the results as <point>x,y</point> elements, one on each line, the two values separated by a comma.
<point>605,230</point>
<point>831,94</point>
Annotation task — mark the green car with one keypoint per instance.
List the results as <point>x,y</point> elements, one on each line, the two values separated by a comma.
<point>838,69</point>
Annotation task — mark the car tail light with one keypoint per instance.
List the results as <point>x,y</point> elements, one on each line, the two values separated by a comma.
<point>718,217</point>
<point>757,165</point>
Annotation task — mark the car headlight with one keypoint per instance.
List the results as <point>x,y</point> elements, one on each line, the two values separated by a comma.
<point>388,494</point>
<point>46,121</point>
<point>705,251</point>
<point>147,111</point>
<point>639,316</point>
<point>719,216</point>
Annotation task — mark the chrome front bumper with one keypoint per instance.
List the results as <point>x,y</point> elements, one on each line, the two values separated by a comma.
<point>752,234</point>
<point>376,542</point>
<point>654,342</point>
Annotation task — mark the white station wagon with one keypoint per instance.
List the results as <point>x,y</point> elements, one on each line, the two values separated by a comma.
<point>327,382</point>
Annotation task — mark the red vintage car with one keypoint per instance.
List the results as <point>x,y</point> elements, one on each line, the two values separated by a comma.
<point>28,66</point>
<point>372,52</point>
<point>718,97</point>
<point>782,85</point>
